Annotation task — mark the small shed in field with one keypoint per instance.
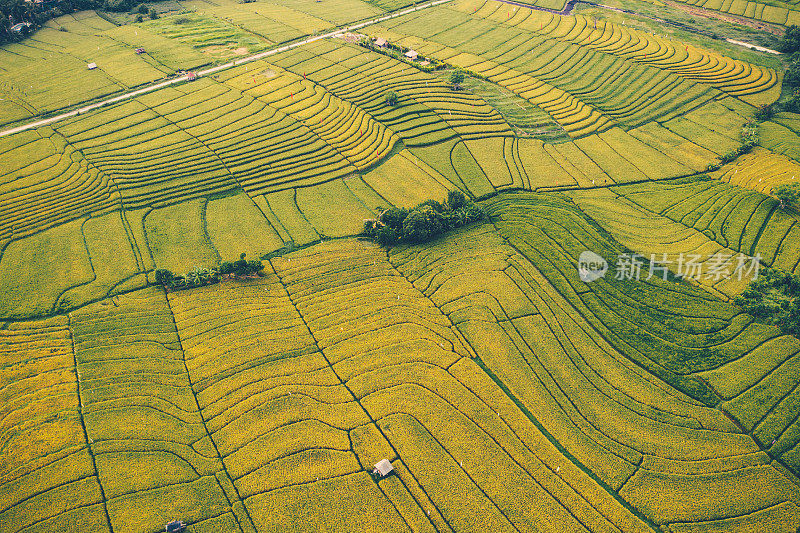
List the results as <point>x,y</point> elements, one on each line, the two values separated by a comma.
<point>412,55</point>
<point>380,42</point>
<point>139,51</point>
<point>191,76</point>
<point>176,526</point>
<point>91,66</point>
<point>21,28</point>
<point>383,467</point>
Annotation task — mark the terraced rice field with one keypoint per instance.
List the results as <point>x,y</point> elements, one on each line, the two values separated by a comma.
<point>774,12</point>
<point>507,393</point>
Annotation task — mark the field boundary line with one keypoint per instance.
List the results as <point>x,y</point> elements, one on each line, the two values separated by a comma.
<point>356,400</point>
<point>213,70</point>
<point>83,423</point>
<point>208,433</point>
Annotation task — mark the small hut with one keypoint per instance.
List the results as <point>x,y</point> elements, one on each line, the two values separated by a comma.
<point>91,66</point>
<point>380,42</point>
<point>139,51</point>
<point>176,526</point>
<point>191,76</point>
<point>412,55</point>
<point>21,28</point>
<point>383,467</point>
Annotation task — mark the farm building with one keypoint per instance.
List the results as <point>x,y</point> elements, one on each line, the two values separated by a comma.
<point>383,467</point>
<point>176,526</point>
<point>91,66</point>
<point>139,51</point>
<point>22,27</point>
<point>191,76</point>
<point>412,55</point>
<point>381,42</point>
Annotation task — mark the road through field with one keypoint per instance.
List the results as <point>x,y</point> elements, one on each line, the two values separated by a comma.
<point>209,71</point>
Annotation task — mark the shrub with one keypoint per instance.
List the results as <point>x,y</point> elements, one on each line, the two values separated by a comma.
<point>787,194</point>
<point>142,9</point>
<point>240,266</point>
<point>164,276</point>
<point>749,136</point>
<point>254,267</point>
<point>390,98</point>
<point>457,78</point>
<point>226,267</point>
<point>474,213</point>
<point>774,298</point>
<point>153,15</point>
<point>764,112</point>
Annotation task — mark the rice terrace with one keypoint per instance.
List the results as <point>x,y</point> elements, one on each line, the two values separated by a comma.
<point>386,266</point>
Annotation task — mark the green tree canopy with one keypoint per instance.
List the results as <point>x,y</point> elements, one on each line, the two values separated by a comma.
<point>790,42</point>
<point>422,224</point>
<point>457,78</point>
<point>787,194</point>
<point>774,298</point>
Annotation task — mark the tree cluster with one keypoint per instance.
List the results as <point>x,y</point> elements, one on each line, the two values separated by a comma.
<point>790,45</point>
<point>792,75</point>
<point>764,112</point>
<point>456,79</point>
<point>790,42</point>
<point>15,11</point>
<point>202,276</point>
<point>390,98</point>
<point>793,103</point>
<point>791,78</point>
<point>774,298</point>
<point>424,222</point>
<point>750,138</point>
